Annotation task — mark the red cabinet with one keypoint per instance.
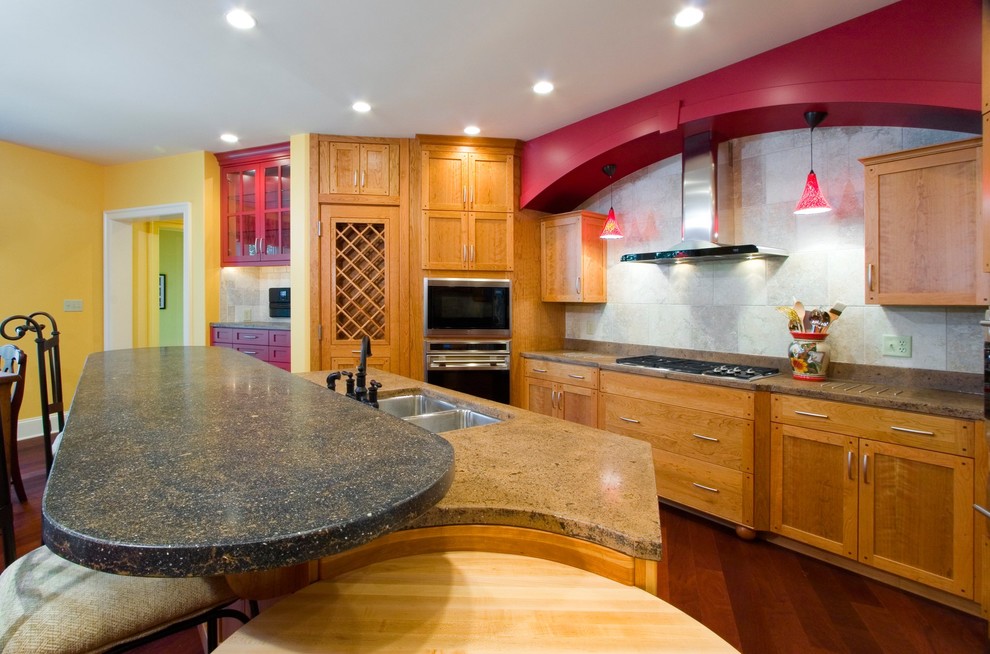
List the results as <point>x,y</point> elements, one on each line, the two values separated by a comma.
<point>254,206</point>
<point>269,345</point>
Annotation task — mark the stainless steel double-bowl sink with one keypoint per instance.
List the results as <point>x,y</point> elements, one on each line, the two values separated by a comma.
<point>433,414</point>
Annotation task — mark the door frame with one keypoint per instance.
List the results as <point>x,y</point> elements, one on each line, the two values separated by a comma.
<point>118,270</point>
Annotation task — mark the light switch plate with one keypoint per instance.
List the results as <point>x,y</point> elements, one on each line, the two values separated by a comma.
<point>72,305</point>
<point>896,346</point>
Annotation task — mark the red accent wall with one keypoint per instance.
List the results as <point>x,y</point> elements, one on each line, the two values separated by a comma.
<point>915,63</point>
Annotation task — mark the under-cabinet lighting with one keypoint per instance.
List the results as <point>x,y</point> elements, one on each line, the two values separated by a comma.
<point>241,19</point>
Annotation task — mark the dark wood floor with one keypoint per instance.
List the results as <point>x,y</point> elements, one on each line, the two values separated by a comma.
<point>761,598</point>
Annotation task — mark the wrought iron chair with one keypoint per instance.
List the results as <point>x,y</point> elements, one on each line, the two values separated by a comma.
<point>16,327</point>
<point>12,360</point>
<point>6,508</point>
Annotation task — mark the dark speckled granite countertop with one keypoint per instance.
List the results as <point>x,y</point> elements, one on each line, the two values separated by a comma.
<point>196,461</point>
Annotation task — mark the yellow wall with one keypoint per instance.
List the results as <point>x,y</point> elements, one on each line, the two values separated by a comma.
<point>192,178</point>
<point>51,250</point>
<point>299,266</point>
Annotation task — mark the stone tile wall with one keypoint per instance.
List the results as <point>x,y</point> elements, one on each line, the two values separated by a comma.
<point>244,292</point>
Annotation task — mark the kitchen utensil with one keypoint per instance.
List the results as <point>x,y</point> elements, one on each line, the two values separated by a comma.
<point>793,322</point>
<point>836,311</point>
<point>799,309</point>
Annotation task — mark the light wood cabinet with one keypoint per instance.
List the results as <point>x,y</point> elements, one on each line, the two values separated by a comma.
<point>924,227</point>
<point>888,488</point>
<point>572,265</point>
<point>562,390</point>
<point>468,200</point>
<point>702,437</point>
<point>358,170</point>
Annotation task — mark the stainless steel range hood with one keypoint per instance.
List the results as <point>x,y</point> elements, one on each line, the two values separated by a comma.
<point>699,220</point>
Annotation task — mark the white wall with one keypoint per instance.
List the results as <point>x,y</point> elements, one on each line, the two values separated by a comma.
<point>731,306</point>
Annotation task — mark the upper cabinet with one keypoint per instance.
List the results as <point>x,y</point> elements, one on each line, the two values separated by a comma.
<point>254,199</point>
<point>468,200</point>
<point>924,227</point>
<point>572,266</point>
<point>358,170</point>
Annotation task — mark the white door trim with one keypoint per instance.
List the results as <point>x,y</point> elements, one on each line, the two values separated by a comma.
<point>118,270</point>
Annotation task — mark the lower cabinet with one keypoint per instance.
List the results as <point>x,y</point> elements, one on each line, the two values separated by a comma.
<point>702,437</point>
<point>891,489</point>
<point>269,345</point>
<point>562,390</point>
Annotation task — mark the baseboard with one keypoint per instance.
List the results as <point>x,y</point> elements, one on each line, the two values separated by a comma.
<point>29,428</point>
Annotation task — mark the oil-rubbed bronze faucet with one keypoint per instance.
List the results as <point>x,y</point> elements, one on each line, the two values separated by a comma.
<point>360,390</point>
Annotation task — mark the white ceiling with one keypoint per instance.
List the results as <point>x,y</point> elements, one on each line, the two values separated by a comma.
<point>113,81</point>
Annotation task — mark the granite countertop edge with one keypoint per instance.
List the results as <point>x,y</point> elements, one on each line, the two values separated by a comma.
<point>952,404</point>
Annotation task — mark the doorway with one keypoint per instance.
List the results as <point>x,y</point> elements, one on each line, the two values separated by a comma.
<point>135,295</point>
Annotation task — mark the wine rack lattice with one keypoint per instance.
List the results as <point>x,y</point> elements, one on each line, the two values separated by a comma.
<point>361,297</point>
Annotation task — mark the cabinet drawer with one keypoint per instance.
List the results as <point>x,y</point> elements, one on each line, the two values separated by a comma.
<point>566,373</point>
<point>250,337</point>
<point>706,397</point>
<point>279,337</point>
<point>711,437</point>
<point>929,432</point>
<point>256,351</point>
<point>221,335</point>
<point>279,354</point>
<point>710,488</point>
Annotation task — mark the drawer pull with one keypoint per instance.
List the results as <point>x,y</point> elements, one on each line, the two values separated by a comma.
<point>919,432</point>
<point>248,352</point>
<point>576,376</point>
<point>703,487</point>
<point>981,510</point>
<point>248,337</point>
<point>705,438</point>
<point>539,370</point>
<point>625,419</point>
<point>811,415</point>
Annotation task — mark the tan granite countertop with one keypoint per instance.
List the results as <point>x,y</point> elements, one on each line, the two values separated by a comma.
<point>968,406</point>
<point>543,473</point>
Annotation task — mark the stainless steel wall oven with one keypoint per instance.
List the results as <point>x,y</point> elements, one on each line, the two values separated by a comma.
<point>467,329</point>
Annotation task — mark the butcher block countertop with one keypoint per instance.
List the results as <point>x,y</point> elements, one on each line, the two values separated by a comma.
<point>542,473</point>
<point>894,391</point>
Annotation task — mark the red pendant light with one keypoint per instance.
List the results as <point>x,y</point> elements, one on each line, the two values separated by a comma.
<point>611,228</point>
<point>812,200</point>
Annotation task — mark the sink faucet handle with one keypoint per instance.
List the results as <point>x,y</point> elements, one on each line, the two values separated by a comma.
<point>332,380</point>
<point>373,393</point>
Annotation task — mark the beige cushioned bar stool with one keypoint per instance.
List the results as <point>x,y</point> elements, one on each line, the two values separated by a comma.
<point>49,605</point>
<point>471,602</point>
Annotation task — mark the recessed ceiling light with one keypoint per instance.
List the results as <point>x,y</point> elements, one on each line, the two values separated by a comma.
<point>241,19</point>
<point>543,87</point>
<point>688,17</point>
<point>229,138</point>
<point>472,130</point>
<point>361,107</point>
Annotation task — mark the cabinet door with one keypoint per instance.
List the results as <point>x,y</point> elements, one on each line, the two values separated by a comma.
<point>255,213</point>
<point>345,165</point>
<point>916,516</point>
<point>540,396</point>
<point>274,246</point>
<point>375,169</point>
<point>924,229</point>
<point>445,240</point>
<point>240,222</point>
<point>349,361</point>
<point>813,488</point>
<point>490,183</point>
<point>577,404</point>
<point>445,180</point>
<point>490,241</point>
<point>561,265</point>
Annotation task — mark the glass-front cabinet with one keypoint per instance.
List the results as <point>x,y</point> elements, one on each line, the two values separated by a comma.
<point>255,188</point>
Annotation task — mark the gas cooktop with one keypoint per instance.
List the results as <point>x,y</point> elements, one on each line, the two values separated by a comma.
<point>695,367</point>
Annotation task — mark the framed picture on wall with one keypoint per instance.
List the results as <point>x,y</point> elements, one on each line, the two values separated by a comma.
<point>161,291</point>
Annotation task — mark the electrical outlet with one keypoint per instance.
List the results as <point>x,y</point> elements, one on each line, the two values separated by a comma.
<point>71,305</point>
<point>896,346</point>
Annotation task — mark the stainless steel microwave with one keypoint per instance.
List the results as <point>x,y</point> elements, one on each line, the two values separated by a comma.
<point>467,308</point>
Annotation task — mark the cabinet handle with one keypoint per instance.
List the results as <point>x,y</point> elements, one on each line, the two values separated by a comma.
<point>919,432</point>
<point>577,285</point>
<point>980,509</point>
<point>472,252</point>
<point>705,438</point>
<point>866,467</point>
<point>849,464</point>
<point>539,370</point>
<point>362,179</point>
<point>464,195</point>
<point>869,277</point>
<point>555,399</point>
<point>248,352</point>
<point>703,487</point>
<point>355,179</point>
<point>249,337</point>
<point>624,419</point>
<point>572,376</point>
<point>811,415</point>
<point>464,253</point>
